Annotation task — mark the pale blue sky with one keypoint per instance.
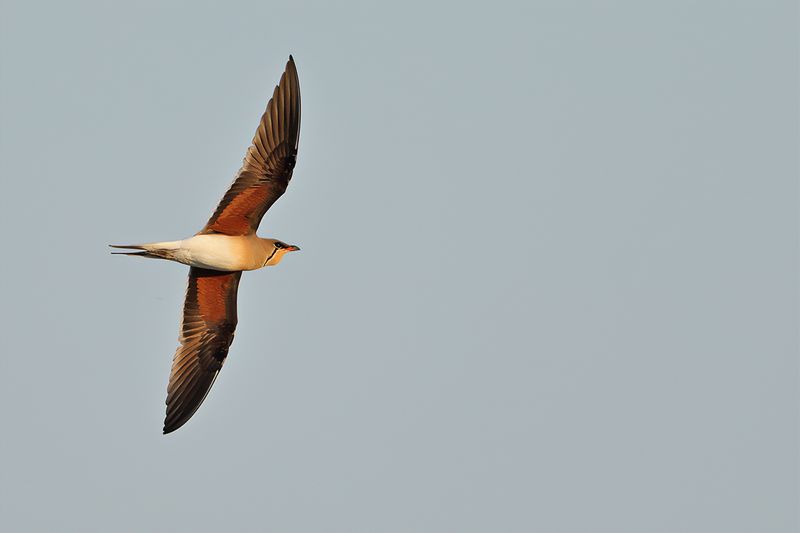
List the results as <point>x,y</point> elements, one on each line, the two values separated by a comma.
<point>548,278</point>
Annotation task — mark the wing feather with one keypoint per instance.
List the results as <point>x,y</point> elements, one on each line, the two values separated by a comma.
<point>268,163</point>
<point>209,322</point>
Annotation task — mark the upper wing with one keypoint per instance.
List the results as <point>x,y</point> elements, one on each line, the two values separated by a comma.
<point>268,165</point>
<point>209,321</point>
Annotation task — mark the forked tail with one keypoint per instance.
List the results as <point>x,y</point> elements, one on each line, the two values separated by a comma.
<point>155,250</point>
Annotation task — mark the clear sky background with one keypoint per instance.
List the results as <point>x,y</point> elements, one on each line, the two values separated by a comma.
<point>548,278</point>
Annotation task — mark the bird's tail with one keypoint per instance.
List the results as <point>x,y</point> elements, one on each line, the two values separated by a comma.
<point>155,250</point>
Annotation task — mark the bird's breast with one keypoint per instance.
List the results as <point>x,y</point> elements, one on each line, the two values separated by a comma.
<point>223,252</point>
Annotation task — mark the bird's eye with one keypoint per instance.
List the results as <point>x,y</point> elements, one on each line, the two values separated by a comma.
<point>279,244</point>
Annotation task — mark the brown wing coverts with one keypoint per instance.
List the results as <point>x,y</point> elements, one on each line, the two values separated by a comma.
<point>268,164</point>
<point>209,321</point>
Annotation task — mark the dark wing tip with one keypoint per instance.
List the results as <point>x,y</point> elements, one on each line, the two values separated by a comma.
<point>187,398</point>
<point>177,416</point>
<point>173,421</point>
<point>172,425</point>
<point>291,67</point>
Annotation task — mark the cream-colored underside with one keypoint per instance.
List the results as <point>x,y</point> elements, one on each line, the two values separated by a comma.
<point>223,252</point>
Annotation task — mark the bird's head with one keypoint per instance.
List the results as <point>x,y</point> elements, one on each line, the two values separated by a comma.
<point>276,250</point>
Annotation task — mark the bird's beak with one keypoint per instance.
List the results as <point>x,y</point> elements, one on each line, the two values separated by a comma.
<point>292,248</point>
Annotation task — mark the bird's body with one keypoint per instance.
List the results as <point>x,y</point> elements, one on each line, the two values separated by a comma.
<point>225,247</point>
<point>216,251</point>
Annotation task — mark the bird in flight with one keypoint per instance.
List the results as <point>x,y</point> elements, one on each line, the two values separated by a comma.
<point>225,247</point>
